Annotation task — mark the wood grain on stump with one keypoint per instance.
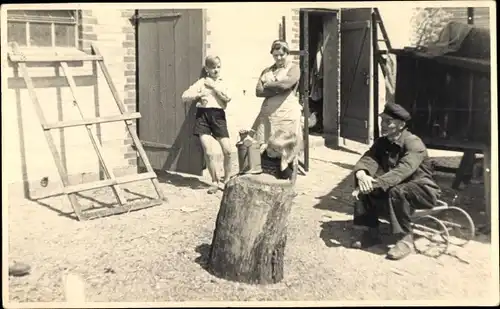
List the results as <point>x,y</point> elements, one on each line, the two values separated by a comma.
<point>250,232</point>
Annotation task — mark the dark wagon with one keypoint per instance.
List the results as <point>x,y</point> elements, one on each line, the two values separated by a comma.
<point>447,89</point>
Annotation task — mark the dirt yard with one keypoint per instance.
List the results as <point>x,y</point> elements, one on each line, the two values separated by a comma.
<point>159,254</point>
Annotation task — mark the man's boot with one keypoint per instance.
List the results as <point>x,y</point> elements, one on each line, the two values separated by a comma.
<point>402,249</point>
<point>368,238</point>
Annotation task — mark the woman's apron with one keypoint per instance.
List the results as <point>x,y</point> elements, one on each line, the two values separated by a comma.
<point>281,112</point>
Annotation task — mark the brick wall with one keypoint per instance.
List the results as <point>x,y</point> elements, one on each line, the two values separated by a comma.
<point>29,159</point>
<point>129,59</point>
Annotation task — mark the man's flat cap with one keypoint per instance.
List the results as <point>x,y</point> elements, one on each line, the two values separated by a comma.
<point>396,111</point>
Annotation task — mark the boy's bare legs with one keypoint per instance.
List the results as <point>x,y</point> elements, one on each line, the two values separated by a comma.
<point>225,144</point>
<point>209,157</point>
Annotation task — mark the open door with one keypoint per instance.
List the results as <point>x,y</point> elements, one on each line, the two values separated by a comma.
<point>356,120</point>
<point>170,57</point>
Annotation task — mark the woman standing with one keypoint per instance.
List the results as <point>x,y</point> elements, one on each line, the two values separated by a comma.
<point>281,110</point>
<point>211,96</point>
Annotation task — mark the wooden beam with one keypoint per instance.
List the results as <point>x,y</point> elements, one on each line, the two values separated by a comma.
<point>305,97</point>
<point>479,65</point>
<point>52,58</point>
<point>131,130</point>
<point>108,182</point>
<point>353,25</point>
<point>48,136</point>
<point>93,137</point>
<point>90,121</point>
<point>106,212</point>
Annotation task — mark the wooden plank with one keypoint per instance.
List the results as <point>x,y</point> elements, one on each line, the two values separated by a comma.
<point>108,182</point>
<point>179,77</point>
<point>148,79</point>
<point>50,142</point>
<point>90,121</point>
<point>157,16</point>
<point>354,25</point>
<point>155,145</point>
<point>487,184</point>
<point>452,145</point>
<point>470,100</point>
<point>464,169</point>
<point>378,62</point>
<point>382,29</point>
<point>466,63</point>
<point>130,129</point>
<point>169,65</point>
<point>52,58</point>
<point>51,82</point>
<point>106,212</point>
<point>305,86</point>
<point>93,137</point>
<point>331,77</point>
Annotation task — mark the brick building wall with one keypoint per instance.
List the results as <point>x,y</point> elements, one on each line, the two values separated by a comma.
<point>28,156</point>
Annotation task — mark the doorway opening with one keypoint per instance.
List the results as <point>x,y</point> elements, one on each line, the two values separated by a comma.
<point>315,53</point>
<point>320,81</point>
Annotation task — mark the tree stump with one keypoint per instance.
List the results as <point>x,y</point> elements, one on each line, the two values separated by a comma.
<point>251,229</point>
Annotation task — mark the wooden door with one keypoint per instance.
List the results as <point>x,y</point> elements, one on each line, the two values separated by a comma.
<point>331,76</point>
<point>170,57</point>
<point>356,70</point>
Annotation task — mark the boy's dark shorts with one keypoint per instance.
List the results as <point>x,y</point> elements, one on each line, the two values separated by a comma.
<point>211,121</point>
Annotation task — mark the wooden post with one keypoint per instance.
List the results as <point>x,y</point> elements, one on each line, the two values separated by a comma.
<point>487,184</point>
<point>464,171</point>
<point>250,232</point>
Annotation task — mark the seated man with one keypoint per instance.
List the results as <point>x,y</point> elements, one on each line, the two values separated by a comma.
<point>394,177</point>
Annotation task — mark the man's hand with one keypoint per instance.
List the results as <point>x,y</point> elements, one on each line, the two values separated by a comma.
<point>365,182</point>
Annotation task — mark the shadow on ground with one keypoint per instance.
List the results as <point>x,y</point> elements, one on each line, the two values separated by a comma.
<point>471,198</point>
<point>341,234</point>
<point>92,200</point>
<point>339,199</point>
<point>203,258</point>
<point>181,180</point>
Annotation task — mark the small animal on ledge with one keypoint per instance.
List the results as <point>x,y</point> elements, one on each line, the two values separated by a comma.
<point>278,154</point>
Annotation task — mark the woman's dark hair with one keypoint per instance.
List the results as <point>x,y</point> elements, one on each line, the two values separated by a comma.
<point>210,62</point>
<point>281,46</point>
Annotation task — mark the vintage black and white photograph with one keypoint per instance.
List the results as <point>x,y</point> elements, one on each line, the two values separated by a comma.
<point>229,154</point>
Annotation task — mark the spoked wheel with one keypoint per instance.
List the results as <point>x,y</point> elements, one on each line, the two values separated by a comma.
<point>430,236</point>
<point>460,226</point>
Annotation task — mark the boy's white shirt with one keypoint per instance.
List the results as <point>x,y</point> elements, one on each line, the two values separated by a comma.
<point>211,100</point>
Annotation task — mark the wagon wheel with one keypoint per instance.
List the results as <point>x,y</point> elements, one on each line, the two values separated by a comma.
<point>431,236</point>
<point>459,223</point>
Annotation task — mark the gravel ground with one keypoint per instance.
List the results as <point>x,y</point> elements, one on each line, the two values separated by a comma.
<point>158,254</point>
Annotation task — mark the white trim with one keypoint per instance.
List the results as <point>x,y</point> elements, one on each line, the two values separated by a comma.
<point>28,36</point>
<point>53,34</point>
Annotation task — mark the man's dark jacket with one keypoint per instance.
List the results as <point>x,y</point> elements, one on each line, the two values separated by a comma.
<point>393,163</point>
